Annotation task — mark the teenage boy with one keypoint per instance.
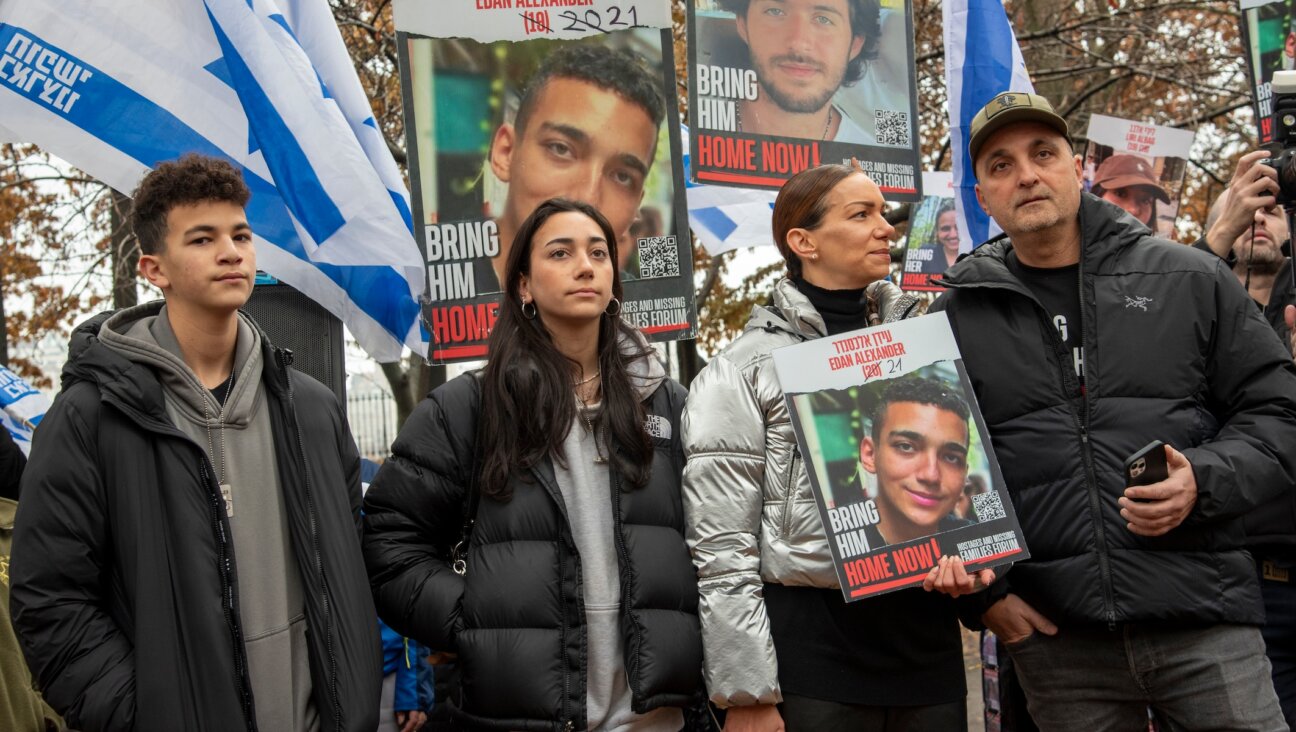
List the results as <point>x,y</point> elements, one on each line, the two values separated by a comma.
<point>187,551</point>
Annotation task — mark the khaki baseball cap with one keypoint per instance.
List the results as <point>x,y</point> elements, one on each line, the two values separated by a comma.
<point>1010,108</point>
<point>1124,171</point>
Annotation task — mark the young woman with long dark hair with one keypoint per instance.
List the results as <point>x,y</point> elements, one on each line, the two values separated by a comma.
<point>530,518</point>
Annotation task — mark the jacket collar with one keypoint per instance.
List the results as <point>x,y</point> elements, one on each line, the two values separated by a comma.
<point>1106,231</point>
<point>793,313</point>
<point>133,387</point>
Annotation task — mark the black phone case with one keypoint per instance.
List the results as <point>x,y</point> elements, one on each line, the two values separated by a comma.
<point>1147,466</point>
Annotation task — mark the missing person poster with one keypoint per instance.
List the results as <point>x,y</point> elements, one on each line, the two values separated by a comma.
<point>1269,43</point>
<point>582,107</point>
<point>1139,167</point>
<point>778,86</point>
<point>933,243</point>
<point>897,454</point>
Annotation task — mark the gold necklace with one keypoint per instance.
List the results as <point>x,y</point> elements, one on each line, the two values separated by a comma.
<point>599,457</point>
<point>827,123</point>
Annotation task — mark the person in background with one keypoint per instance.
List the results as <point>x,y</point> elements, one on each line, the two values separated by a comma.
<point>21,707</point>
<point>408,694</point>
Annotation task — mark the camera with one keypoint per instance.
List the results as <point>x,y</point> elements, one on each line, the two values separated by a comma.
<point>1284,127</point>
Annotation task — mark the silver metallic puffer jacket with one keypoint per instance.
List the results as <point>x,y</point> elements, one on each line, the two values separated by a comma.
<point>750,514</point>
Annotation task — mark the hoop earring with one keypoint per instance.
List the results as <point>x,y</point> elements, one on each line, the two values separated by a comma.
<point>613,310</point>
<point>529,315</point>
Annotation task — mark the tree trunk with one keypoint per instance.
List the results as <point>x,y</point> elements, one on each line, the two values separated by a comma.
<point>690,361</point>
<point>410,382</point>
<point>125,253</point>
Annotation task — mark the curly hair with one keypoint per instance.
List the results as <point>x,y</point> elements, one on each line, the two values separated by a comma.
<point>193,178</point>
<point>621,72</point>
<point>865,20</point>
<point>919,390</point>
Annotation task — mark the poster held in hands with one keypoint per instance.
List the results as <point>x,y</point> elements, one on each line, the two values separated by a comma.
<point>898,455</point>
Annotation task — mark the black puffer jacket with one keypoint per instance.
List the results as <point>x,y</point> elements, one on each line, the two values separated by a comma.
<point>124,589</point>
<point>1174,350</point>
<point>517,619</point>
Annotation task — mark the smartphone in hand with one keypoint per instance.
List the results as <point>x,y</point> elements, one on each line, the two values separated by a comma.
<point>1147,466</point>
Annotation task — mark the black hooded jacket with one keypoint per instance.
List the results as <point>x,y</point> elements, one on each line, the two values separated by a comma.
<point>517,618</point>
<point>1173,350</point>
<point>124,582</point>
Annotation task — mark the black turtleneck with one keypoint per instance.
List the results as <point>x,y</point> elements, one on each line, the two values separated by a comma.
<point>841,310</point>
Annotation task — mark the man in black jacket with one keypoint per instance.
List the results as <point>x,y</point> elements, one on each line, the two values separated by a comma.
<point>187,551</point>
<point>1086,338</point>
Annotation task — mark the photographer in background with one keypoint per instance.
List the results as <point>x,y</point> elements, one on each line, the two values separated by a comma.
<point>1248,228</point>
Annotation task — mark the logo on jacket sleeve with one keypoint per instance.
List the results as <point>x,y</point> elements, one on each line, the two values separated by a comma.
<point>657,426</point>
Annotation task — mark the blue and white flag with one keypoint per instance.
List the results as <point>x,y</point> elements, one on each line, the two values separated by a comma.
<point>982,60</point>
<point>116,88</point>
<point>726,218</point>
<point>21,408</point>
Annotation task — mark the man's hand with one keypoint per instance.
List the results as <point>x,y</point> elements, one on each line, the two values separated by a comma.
<point>755,718</point>
<point>949,577</point>
<point>1153,510</point>
<point>1254,186</point>
<point>410,721</point>
<point>1013,620</point>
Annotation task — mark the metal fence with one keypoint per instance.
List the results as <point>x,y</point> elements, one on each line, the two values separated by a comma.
<point>373,423</point>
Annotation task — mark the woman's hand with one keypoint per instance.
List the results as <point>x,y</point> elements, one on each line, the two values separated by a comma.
<point>949,577</point>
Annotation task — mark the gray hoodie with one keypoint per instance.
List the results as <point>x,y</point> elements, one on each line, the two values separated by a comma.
<point>586,491</point>
<point>237,439</point>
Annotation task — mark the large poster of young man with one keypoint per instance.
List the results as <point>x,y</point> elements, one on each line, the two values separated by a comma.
<point>1269,43</point>
<point>1139,167</point>
<point>898,454</point>
<point>778,86</point>
<point>581,110</point>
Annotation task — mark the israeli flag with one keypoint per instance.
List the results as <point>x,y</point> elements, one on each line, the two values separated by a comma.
<point>21,408</point>
<point>725,218</point>
<point>116,88</point>
<point>982,60</point>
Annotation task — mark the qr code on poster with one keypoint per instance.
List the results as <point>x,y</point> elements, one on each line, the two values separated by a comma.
<point>658,257</point>
<point>892,127</point>
<point>988,507</point>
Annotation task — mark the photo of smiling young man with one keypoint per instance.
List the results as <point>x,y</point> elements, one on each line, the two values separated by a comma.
<point>915,455</point>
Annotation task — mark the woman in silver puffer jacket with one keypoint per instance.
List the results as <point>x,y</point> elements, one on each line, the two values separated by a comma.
<point>776,630</point>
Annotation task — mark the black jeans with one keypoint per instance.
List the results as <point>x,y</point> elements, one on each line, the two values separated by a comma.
<point>803,714</point>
